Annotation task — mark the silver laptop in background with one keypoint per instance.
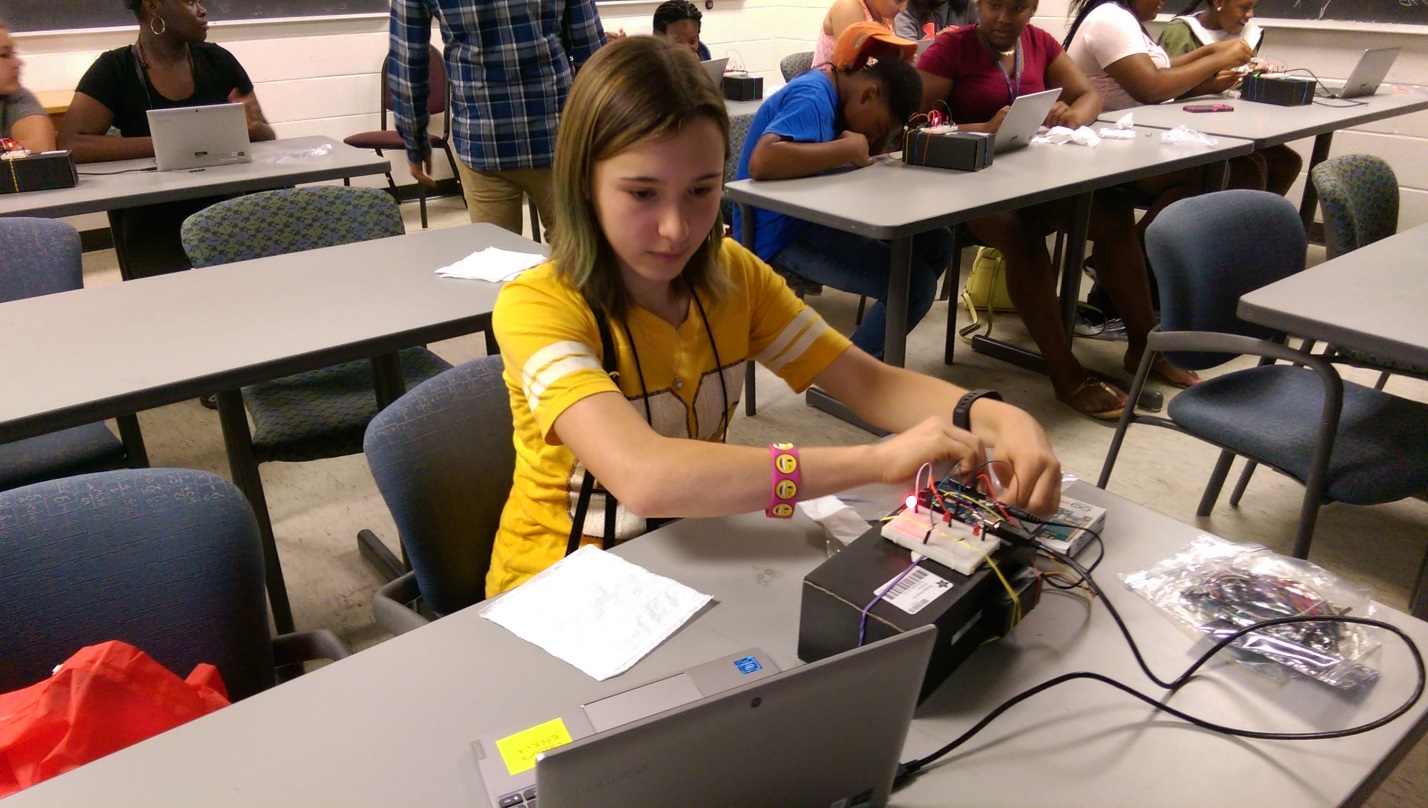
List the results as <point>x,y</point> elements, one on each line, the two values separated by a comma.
<point>824,734</point>
<point>1367,74</point>
<point>506,759</point>
<point>715,69</point>
<point>1025,118</point>
<point>199,137</point>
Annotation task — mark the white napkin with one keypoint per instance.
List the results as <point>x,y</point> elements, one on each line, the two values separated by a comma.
<point>491,264</point>
<point>1108,133</point>
<point>1063,134</point>
<point>1126,121</point>
<point>596,611</point>
<point>839,519</point>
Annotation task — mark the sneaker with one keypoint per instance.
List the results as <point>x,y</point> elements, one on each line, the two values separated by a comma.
<point>1113,330</point>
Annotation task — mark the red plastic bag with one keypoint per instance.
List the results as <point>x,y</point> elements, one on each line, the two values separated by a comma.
<point>102,699</point>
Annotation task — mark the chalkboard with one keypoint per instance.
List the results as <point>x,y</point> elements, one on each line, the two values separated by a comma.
<point>57,15</point>
<point>1410,12</point>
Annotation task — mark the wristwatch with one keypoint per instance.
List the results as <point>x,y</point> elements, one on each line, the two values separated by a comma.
<point>962,415</point>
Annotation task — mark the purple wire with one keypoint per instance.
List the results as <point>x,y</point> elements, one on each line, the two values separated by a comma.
<point>863,619</point>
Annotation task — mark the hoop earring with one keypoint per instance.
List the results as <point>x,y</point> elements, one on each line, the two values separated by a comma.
<point>158,31</point>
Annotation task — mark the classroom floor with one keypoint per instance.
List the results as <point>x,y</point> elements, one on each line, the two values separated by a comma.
<point>317,508</point>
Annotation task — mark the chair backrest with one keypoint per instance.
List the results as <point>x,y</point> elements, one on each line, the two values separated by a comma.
<point>288,221</point>
<point>167,560</point>
<point>738,132</point>
<point>1209,250</point>
<point>438,95</point>
<point>795,64</point>
<point>39,257</point>
<point>1358,194</point>
<point>443,456</point>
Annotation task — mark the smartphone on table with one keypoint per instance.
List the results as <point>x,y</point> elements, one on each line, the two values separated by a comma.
<point>1208,108</point>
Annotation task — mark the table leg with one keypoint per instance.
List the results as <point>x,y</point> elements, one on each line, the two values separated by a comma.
<point>244,468</point>
<point>1418,601</point>
<point>819,400</point>
<point>1217,176</point>
<point>133,441</point>
<point>1307,205</point>
<point>388,379</point>
<point>899,273</point>
<point>746,238</point>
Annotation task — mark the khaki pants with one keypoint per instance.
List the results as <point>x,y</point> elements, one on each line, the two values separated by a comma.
<point>498,197</point>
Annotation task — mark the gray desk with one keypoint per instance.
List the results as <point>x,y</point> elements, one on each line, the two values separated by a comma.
<point>276,164</point>
<point>894,202</point>
<point>1370,300</point>
<point>393,724</point>
<point>1271,125</point>
<point>90,354</point>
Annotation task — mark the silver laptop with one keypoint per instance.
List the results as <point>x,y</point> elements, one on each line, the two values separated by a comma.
<point>715,69</point>
<point>1024,119</point>
<point>506,759</point>
<point>199,137</point>
<point>1367,74</point>
<point>824,734</point>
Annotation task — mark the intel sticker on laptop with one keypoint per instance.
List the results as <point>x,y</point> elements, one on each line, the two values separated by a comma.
<point>748,665</point>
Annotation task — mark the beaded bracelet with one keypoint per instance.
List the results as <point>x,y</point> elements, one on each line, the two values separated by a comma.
<point>786,479</point>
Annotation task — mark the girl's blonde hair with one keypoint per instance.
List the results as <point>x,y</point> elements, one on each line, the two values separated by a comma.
<point>633,90</point>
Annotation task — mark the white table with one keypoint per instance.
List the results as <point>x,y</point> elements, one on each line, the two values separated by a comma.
<point>393,724</point>
<point>82,356</point>
<point>1370,300</point>
<point>126,183</point>
<point>1271,125</point>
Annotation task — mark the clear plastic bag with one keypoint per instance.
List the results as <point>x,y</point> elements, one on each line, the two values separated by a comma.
<point>1215,587</point>
<point>1184,135</point>
<point>302,154</point>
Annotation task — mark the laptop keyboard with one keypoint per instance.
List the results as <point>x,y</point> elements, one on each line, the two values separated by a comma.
<point>524,799</point>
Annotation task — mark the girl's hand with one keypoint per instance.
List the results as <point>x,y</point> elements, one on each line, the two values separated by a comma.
<point>1031,473</point>
<point>857,148</point>
<point>1233,52</point>
<point>996,122</point>
<point>1061,115</point>
<point>933,441</point>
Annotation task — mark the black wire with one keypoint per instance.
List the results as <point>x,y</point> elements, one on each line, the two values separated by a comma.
<point>909,769</point>
<point>1319,99</point>
<point>123,171</point>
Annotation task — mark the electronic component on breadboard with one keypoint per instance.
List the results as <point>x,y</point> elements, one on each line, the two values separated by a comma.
<point>951,544</point>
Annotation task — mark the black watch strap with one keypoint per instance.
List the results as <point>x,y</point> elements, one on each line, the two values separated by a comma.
<point>962,415</point>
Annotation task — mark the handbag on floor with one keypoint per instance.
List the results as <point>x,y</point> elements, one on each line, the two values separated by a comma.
<point>985,290</point>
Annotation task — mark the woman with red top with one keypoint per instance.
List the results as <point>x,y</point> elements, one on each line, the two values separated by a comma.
<point>974,73</point>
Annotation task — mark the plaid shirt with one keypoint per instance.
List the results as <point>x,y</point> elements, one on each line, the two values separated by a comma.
<point>510,67</point>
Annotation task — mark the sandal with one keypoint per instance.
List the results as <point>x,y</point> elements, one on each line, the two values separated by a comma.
<point>1164,371</point>
<point>1084,404</point>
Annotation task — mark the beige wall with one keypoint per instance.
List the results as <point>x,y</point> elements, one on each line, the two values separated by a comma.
<point>322,76</point>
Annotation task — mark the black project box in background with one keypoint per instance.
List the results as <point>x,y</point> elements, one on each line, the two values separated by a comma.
<point>1285,92</point>
<point>743,88</point>
<point>974,609</point>
<point>959,151</point>
<point>38,172</point>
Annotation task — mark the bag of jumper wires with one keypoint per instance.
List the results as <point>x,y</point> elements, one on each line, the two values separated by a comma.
<point>1215,587</point>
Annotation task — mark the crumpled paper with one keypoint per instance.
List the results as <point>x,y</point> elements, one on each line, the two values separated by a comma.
<point>1062,134</point>
<point>1184,135</point>
<point>839,520</point>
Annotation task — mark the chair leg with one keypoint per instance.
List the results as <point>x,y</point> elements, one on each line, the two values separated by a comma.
<point>954,265</point>
<point>862,306</point>
<point>750,406</point>
<point>1308,517</point>
<point>451,158</point>
<point>1142,373</point>
<point>244,469</point>
<point>1382,380</point>
<point>1418,601</point>
<point>1215,483</point>
<point>535,219</point>
<point>1250,466</point>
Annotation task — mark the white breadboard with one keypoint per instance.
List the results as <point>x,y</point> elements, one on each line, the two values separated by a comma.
<point>953,545</point>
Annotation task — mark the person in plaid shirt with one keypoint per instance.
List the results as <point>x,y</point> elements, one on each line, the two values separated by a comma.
<point>510,64</point>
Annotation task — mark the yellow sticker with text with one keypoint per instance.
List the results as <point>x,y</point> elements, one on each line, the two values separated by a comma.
<point>519,751</point>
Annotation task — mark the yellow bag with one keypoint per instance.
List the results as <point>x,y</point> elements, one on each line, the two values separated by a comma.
<point>986,290</point>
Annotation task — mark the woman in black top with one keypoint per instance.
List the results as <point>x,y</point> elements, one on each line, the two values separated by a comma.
<point>169,66</point>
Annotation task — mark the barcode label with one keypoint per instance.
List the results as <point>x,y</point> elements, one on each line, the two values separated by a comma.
<point>916,589</point>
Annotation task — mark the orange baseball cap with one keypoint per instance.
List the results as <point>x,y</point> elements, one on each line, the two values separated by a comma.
<point>862,41</point>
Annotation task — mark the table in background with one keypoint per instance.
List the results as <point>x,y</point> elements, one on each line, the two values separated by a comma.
<point>393,725</point>
<point>83,356</point>
<point>1370,300</point>
<point>126,183</point>
<point>1271,125</point>
<point>892,201</point>
<point>56,103</point>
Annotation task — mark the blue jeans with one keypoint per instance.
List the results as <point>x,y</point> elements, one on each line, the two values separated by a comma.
<point>859,265</point>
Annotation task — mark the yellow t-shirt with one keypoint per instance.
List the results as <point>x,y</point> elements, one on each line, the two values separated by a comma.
<point>551,346</point>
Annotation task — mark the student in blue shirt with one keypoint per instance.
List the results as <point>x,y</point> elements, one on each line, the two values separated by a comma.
<point>828,118</point>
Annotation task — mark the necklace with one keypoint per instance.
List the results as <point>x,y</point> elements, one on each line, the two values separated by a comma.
<point>993,48</point>
<point>143,69</point>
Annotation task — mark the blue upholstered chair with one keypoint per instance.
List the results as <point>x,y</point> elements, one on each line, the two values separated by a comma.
<point>42,257</point>
<point>167,560</point>
<point>317,414</point>
<point>1343,441</point>
<point>443,459</point>
<point>1358,194</point>
<point>795,64</point>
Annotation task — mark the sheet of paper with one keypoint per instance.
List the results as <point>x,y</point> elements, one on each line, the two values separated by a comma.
<point>491,264</point>
<point>596,611</point>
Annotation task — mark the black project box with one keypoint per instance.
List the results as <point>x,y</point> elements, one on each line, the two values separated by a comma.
<point>743,88</point>
<point>1285,92</point>
<point>971,610</point>
<point>960,151</point>
<point>39,172</point>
